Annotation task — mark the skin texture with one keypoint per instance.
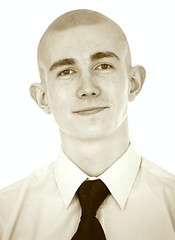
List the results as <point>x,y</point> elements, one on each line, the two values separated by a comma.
<point>88,96</point>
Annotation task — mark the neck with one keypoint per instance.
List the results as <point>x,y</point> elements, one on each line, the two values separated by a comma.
<point>94,156</point>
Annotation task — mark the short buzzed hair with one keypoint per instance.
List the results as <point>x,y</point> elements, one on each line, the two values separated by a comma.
<point>77,18</point>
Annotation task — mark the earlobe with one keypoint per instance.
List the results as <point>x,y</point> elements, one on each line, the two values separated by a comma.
<point>38,94</point>
<point>137,78</point>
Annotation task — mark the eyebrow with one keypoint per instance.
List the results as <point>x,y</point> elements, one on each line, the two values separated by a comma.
<point>93,57</point>
<point>62,62</point>
<point>106,54</point>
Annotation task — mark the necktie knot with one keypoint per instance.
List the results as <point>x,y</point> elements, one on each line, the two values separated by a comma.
<point>91,194</point>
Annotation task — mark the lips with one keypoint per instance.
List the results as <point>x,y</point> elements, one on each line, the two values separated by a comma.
<point>90,111</point>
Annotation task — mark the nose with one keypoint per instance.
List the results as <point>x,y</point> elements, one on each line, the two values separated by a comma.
<point>87,89</point>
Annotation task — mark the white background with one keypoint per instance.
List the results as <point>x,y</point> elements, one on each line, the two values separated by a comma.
<point>30,139</point>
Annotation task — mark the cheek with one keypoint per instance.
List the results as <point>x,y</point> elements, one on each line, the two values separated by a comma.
<point>59,96</point>
<point>117,88</point>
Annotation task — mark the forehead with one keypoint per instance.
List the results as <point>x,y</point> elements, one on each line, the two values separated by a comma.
<point>82,41</point>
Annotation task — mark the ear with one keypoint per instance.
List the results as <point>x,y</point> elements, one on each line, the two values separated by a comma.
<point>137,78</point>
<point>38,94</point>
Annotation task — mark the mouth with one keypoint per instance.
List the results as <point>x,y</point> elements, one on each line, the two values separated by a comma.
<point>90,111</point>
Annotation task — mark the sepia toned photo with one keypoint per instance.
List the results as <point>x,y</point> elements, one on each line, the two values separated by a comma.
<point>97,184</point>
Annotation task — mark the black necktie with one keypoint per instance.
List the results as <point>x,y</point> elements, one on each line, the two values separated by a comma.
<point>91,194</point>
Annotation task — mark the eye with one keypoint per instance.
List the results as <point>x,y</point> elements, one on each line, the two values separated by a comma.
<point>103,66</point>
<point>66,72</point>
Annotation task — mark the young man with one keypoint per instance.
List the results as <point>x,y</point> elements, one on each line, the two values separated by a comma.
<point>99,187</point>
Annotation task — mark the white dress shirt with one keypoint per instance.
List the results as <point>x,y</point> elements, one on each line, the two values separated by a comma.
<point>44,206</point>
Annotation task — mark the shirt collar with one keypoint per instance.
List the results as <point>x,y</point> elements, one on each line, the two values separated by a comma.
<point>68,177</point>
<point>119,178</point>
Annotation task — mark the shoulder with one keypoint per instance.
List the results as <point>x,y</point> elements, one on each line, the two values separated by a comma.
<point>23,185</point>
<point>20,197</point>
<point>157,173</point>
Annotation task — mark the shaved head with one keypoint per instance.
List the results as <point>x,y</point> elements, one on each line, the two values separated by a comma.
<point>76,18</point>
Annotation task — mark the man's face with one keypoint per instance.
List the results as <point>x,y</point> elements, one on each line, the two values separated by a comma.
<point>87,80</point>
